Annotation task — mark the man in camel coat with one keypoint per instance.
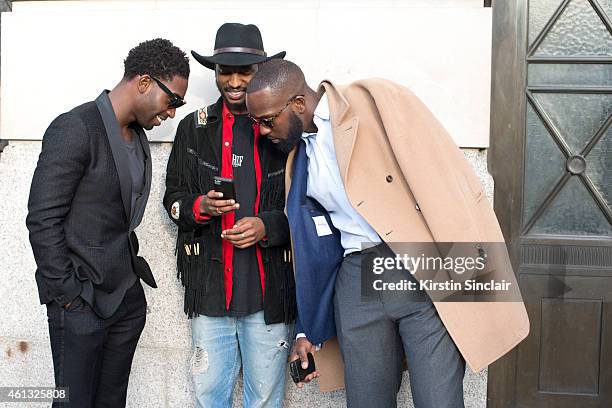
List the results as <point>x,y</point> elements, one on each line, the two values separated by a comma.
<point>370,166</point>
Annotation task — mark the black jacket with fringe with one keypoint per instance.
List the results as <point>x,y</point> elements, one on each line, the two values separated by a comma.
<point>194,160</point>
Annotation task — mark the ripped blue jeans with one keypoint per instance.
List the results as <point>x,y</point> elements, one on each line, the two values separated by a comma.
<point>223,344</point>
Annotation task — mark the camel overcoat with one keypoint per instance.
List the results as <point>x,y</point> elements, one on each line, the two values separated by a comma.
<point>404,174</point>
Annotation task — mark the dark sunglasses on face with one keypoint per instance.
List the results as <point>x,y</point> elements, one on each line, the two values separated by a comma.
<point>269,121</point>
<point>175,101</point>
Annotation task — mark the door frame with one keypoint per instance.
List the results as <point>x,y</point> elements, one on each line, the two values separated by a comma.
<point>508,114</point>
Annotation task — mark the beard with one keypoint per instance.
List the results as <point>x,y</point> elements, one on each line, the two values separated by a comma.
<point>294,134</point>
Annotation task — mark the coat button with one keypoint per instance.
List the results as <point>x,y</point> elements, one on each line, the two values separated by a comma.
<point>389,178</point>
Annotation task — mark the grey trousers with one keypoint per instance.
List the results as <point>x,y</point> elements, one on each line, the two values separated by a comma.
<point>377,333</point>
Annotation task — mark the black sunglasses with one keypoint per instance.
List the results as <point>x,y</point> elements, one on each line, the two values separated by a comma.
<point>175,101</point>
<point>269,121</point>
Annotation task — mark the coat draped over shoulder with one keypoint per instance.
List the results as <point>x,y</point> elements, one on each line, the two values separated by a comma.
<point>404,174</point>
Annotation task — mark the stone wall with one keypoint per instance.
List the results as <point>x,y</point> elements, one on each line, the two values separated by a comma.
<point>160,375</point>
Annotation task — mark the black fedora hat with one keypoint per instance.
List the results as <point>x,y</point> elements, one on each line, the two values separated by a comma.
<point>235,45</point>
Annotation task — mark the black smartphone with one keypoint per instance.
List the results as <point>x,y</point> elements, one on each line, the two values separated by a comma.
<point>297,372</point>
<point>226,186</point>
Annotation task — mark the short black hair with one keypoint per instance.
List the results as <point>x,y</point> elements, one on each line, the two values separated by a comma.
<point>159,58</point>
<point>277,74</point>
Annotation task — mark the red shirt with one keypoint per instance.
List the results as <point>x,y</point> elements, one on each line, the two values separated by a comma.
<point>228,218</point>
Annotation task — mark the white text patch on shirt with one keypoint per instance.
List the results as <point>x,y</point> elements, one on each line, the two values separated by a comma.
<point>237,160</point>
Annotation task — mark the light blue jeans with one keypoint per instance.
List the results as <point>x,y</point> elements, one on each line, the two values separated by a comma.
<point>222,344</point>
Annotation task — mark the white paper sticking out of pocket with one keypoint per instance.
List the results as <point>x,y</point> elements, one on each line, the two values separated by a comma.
<point>322,226</point>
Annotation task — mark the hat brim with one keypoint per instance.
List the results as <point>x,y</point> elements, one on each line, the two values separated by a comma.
<point>234,59</point>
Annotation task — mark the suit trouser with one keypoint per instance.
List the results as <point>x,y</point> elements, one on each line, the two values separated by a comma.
<point>376,333</point>
<point>93,356</point>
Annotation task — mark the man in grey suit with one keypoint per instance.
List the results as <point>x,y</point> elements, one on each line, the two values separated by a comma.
<point>88,194</point>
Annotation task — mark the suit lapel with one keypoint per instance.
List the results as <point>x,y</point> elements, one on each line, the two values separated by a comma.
<point>139,208</point>
<point>289,172</point>
<point>344,127</point>
<point>344,142</point>
<point>113,133</point>
<point>298,188</point>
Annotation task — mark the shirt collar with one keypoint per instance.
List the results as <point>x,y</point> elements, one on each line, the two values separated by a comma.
<point>321,114</point>
<point>322,109</point>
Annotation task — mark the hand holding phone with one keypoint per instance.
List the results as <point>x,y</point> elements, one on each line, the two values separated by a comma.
<point>298,374</point>
<point>214,205</point>
<point>225,186</point>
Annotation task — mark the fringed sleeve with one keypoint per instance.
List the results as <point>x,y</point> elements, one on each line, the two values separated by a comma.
<point>180,191</point>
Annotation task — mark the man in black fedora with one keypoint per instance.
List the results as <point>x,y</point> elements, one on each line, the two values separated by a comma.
<point>233,252</point>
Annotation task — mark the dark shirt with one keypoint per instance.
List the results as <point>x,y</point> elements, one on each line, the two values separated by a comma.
<point>136,163</point>
<point>247,296</point>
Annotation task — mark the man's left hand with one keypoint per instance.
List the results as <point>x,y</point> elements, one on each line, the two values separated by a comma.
<point>247,232</point>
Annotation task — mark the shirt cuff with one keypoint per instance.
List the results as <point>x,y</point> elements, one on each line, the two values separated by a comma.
<point>300,335</point>
<point>197,216</point>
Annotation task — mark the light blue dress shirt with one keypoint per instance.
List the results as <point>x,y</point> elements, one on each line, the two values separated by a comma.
<point>325,184</point>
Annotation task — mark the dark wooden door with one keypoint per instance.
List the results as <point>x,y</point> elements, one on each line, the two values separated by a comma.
<point>551,157</point>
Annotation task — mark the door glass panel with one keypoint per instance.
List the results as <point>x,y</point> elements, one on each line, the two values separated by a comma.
<point>570,74</point>
<point>607,6</point>
<point>578,32</point>
<point>573,212</point>
<point>540,12</point>
<point>545,164</point>
<point>576,116</point>
<point>599,166</point>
